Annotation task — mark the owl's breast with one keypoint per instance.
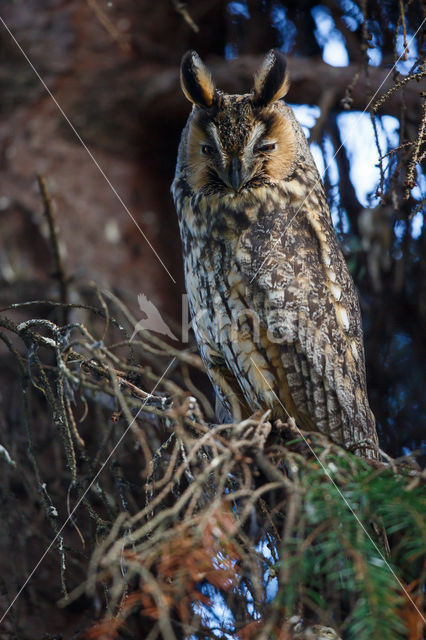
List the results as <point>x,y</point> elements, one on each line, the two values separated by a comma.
<point>227,243</point>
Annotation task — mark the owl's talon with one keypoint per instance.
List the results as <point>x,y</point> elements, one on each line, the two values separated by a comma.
<point>290,426</point>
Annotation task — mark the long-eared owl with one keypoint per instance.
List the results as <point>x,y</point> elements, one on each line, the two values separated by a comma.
<point>274,308</point>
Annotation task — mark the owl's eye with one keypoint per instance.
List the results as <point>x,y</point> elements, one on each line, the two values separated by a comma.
<point>269,146</point>
<point>206,149</point>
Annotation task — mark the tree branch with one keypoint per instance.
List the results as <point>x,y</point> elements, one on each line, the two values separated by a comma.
<point>308,80</point>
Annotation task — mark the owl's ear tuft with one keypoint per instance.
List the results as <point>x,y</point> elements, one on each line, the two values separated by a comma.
<point>196,81</point>
<point>271,82</point>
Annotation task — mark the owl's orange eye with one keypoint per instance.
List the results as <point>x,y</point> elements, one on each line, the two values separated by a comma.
<point>206,149</point>
<point>270,146</point>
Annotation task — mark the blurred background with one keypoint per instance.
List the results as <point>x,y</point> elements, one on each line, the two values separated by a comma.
<point>105,143</point>
<point>112,66</point>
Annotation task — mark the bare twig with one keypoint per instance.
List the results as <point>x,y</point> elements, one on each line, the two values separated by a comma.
<point>180,7</point>
<point>59,272</point>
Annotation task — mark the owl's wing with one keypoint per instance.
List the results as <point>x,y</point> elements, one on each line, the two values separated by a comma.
<point>311,313</point>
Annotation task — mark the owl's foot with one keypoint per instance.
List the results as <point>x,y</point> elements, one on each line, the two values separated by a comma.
<point>289,426</point>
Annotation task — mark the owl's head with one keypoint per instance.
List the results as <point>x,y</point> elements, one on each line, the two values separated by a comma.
<point>236,143</point>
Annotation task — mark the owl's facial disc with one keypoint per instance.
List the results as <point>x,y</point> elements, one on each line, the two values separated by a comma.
<point>234,166</point>
<point>233,169</point>
<point>239,148</point>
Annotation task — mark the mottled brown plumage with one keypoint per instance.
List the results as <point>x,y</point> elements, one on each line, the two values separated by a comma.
<point>275,310</point>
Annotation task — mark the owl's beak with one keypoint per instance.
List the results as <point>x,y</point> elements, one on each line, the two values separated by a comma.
<point>236,173</point>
